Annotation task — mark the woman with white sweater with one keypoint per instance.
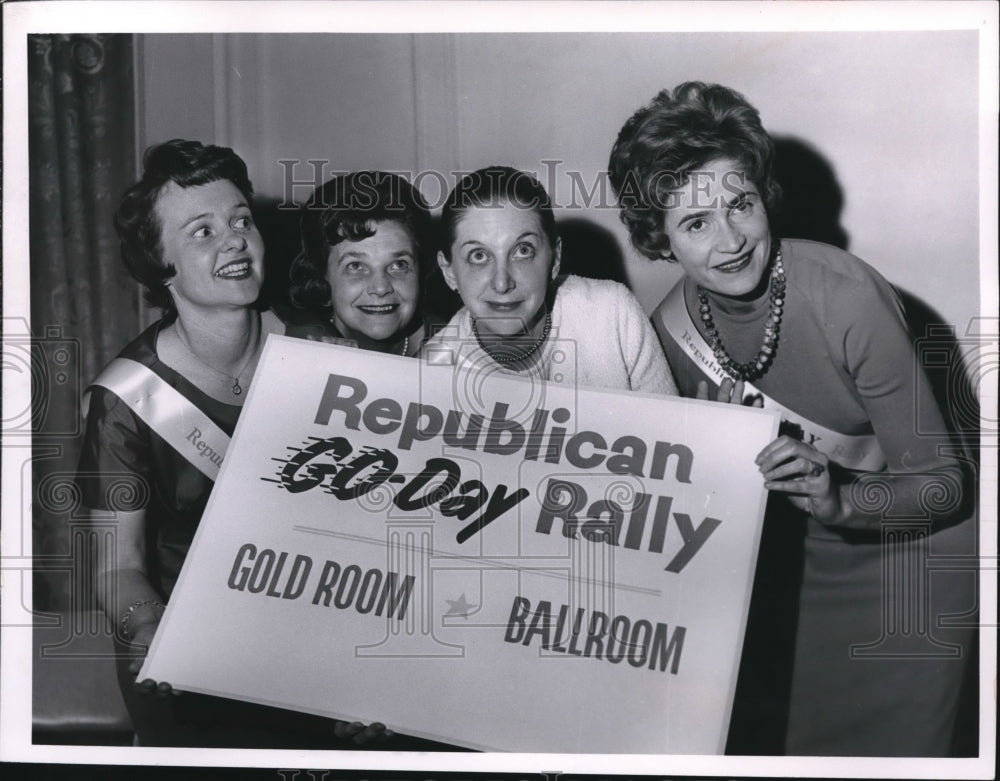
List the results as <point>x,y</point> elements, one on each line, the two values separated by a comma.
<point>500,252</point>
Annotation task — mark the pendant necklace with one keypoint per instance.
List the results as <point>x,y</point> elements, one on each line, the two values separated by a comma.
<point>236,389</point>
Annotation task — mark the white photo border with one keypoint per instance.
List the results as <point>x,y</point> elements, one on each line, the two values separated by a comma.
<point>22,19</point>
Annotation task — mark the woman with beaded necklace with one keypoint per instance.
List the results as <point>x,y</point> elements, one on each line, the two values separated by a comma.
<point>500,251</point>
<point>821,337</point>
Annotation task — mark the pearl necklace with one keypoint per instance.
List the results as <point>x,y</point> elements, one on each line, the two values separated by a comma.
<point>513,358</point>
<point>406,339</point>
<point>759,365</point>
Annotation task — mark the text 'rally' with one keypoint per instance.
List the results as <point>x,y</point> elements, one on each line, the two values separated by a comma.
<point>334,465</point>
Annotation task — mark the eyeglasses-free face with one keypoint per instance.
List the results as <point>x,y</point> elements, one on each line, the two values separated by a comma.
<point>208,235</point>
<point>718,229</point>
<point>502,263</point>
<point>374,285</point>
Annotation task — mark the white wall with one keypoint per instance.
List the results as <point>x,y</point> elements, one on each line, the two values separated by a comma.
<point>895,114</point>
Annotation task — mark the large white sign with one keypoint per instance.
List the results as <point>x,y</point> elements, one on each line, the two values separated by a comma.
<point>473,557</point>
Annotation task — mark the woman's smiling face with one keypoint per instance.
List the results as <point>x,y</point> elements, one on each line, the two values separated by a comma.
<point>374,285</point>
<point>501,265</point>
<point>208,235</point>
<point>718,229</point>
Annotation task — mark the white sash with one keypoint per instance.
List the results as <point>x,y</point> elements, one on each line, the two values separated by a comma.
<point>854,451</point>
<point>164,409</point>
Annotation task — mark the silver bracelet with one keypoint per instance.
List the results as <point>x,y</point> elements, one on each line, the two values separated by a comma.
<point>132,608</point>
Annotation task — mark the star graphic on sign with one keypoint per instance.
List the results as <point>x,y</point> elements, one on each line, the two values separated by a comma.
<point>459,607</point>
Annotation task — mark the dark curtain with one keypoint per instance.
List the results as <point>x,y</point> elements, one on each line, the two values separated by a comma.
<point>84,306</point>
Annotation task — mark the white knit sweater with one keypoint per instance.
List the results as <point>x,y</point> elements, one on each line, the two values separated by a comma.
<point>600,338</point>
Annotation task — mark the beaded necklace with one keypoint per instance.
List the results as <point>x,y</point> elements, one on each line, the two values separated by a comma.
<point>502,358</point>
<point>759,365</point>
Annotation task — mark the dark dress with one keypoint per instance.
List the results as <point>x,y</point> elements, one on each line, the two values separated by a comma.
<point>125,466</point>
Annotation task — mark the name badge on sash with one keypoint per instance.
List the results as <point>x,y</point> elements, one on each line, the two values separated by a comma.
<point>854,451</point>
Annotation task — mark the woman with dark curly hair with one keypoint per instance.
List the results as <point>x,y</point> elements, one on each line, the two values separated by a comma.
<point>821,337</point>
<point>159,422</point>
<point>364,237</point>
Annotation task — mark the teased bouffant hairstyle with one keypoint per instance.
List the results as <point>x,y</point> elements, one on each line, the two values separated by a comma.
<point>677,133</point>
<point>491,187</point>
<point>348,208</point>
<point>186,164</point>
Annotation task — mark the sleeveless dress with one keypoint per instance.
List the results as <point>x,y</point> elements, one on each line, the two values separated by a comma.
<point>126,466</point>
